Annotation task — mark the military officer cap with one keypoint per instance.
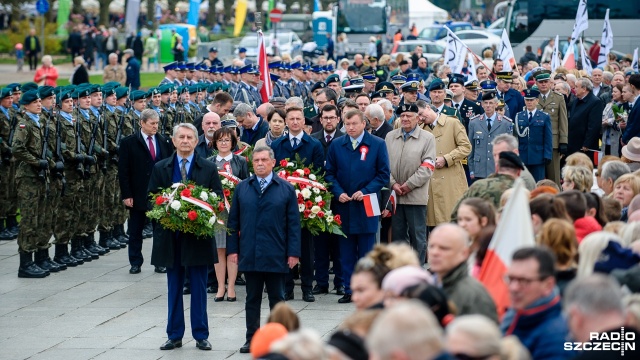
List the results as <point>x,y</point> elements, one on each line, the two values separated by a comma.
<point>81,91</point>
<point>412,108</point>
<point>228,121</point>
<point>448,95</point>
<point>489,95</point>
<point>6,92</point>
<point>531,94</point>
<point>542,75</point>
<point>456,79</point>
<point>355,85</point>
<point>275,64</point>
<point>226,69</point>
<point>372,58</point>
<point>45,91</point>
<point>316,69</point>
<point>29,96</point>
<point>377,95</point>
<point>170,66</point>
<point>318,85</point>
<point>512,159</point>
<point>488,85</point>
<point>472,85</point>
<point>63,95</point>
<point>296,65</point>
<point>190,66</point>
<point>410,86</point>
<point>398,79</point>
<point>278,100</point>
<point>108,91</point>
<point>369,76</point>
<point>122,92</point>
<point>285,66</point>
<point>15,87</point>
<point>506,76</point>
<point>413,77</point>
<point>235,70</point>
<point>274,77</point>
<point>138,95</point>
<point>385,87</point>
<point>329,68</point>
<point>436,84</point>
<point>333,78</point>
<point>153,91</point>
<point>500,104</point>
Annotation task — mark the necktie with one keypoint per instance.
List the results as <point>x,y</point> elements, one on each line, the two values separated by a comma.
<point>263,184</point>
<point>489,124</point>
<point>152,149</point>
<point>457,107</point>
<point>210,144</point>
<point>183,170</point>
<point>544,98</point>
<point>328,139</point>
<point>530,116</point>
<point>354,143</point>
<point>295,142</point>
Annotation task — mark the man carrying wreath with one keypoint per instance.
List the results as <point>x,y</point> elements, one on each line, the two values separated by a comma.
<point>181,252</point>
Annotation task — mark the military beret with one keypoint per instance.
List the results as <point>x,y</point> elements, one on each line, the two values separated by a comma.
<point>531,94</point>
<point>29,96</point>
<point>436,84</point>
<point>153,91</point>
<point>113,84</point>
<point>385,87</point>
<point>28,86</point>
<point>138,95</point>
<point>488,95</point>
<point>333,78</point>
<point>410,86</point>
<point>182,89</point>
<point>94,88</point>
<point>377,95</point>
<point>456,79</point>
<point>224,87</point>
<point>398,79</point>
<point>45,91</point>
<point>122,92</point>
<point>63,95</point>
<point>213,87</point>
<point>506,76</point>
<point>448,95</point>
<point>512,159</point>
<point>472,85</point>
<point>195,88</point>
<point>488,85</point>
<point>81,91</point>
<point>15,87</point>
<point>6,92</point>
<point>107,88</point>
<point>412,108</point>
<point>318,85</point>
<point>166,89</point>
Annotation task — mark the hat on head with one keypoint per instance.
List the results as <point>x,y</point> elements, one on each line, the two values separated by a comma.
<point>128,51</point>
<point>542,75</point>
<point>333,78</point>
<point>355,85</point>
<point>122,92</point>
<point>412,108</point>
<point>488,85</point>
<point>182,89</point>
<point>631,151</point>
<point>456,79</point>
<point>615,256</point>
<point>45,91</point>
<point>377,95</point>
<point>372,58</point>
<point>531,94</point>
<point>265,336</point>
<point>278,100</point>
<point>398,79</point>
<point>385,87</point>
<point>242,50</point>
<point>216,86</point>
<point>153,91</point>
<point>274,77</point>
<point>138,95</point>
<point>108,91</point>
<point>500,104</point>
<point>448,95</point>
<point>195,88</point>
<point>6,92</point>
<point>228,121</point>
<point>295,65</point>
<point>397,280</point>
<point>329,68</point>
<point>436,84</point>
<point>95,88</point>
<point>513,159</point>
<point>29,86</point>
<point>413,77</point>
<point>63,95</point>
<point>166,89</point>
<point>506,76</point>
<point>349,344</point>
<point>29,96</point>
<point>213,49</point>
<point>489,95</point>
<point>81,91</point>
<point>403,62</point>
<point>369,76</point>
<point>472,85</point>
<point>410,86</point>
<point>14,87</point>
<point>170,66</point>
<point>190,66</point>
<point>113,84</point>
<point>318,85</point>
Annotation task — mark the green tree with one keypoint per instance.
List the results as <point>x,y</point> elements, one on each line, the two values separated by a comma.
<point>211,16</point>
<point>151,16</point>
<point>104,13</point>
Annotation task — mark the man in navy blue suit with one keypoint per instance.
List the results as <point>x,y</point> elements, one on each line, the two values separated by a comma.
<point>633,121</point>
<point>310,151</point>
<point>357,165</point>
<point>533,127</point>
<point>511,97</point>
<point>254,127</point>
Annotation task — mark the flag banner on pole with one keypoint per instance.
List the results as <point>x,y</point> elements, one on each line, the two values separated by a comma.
<point>266,91</point>
<point>634,62</point>
<point>241,13</point>
<point>606,44</point>
<point>569,61</point>
<point>555,57</point>
<point>64,9</point>
<point>317,6</point>
<point>586,62</point>
<point>514,231</point>
<point>505,53</point>
<point>582,21</point>
<point>194,12</point>
<point>393,200</point>
<point>371,205</point>
<point>471,67</point>
<point>131,17</point>
<point>455,52</point>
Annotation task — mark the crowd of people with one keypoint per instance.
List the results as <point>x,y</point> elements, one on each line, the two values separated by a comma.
<point>442,151</point>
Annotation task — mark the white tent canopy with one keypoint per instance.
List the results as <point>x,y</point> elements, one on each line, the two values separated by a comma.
<point>423,13</point>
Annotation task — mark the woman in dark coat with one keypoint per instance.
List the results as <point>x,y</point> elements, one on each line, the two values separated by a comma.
<point>80,74</point>
<point>138,48</point>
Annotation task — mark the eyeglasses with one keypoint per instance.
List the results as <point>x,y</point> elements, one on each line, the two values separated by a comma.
<point>223,141</point>
<point>522,280</point>
<point>469,357</point>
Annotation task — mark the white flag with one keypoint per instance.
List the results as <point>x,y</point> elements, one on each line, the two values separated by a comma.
<point>505,52</point>
<point>586,62</point>
<point>634,63</point>
<point>455,52</point>
<point>606,44</point>
<point>471,67</point>
<point>582,21</point>
<point>555,57</point>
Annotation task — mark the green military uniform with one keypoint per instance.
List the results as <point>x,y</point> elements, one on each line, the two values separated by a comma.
<point>490,189</point>
<point>7,167</point>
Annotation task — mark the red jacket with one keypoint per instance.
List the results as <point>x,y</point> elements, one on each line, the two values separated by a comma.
<point>585,226</point>
<point>51,73</point>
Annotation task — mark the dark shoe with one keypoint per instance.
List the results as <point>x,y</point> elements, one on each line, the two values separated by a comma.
<point>147,231</point>
<point>171,344</point>
<point>317,290</point>
<point>345,299</point>
<point>339,290</point>
<point>307,296</point>
<point>288,296</point>
<point>12,225</point>
<point>218,299</point>
<point>245,348</point>
<point>160,270</point>
<point>91,245</point>
<point>62,256</point>
<point>211,289</point>
<point>203,344</point>
<point>135,269</point>
<point>6,235</point>
<point>44,263</point>
<point>107,241</point>
<point>76,250</point>
<point>186,290</point>
<point>120,236</point>
<point>28,269</point>
<point>231,299</point>
<point>240,281</point>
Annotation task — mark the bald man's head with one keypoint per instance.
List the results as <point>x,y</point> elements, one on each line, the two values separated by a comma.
<point>210,123</point>
<point>448,248</point>
<point>634,217</point>
<point>634,204</point>
<point>264,109</point>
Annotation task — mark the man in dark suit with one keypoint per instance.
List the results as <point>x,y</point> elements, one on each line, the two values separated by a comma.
<point>32,48</point>
<point>585,119</point>
<point>633,121</point>
<point>357,165</point>
<point>264,249</point>
<point>210,123</point>
<point>181,252</point>
<point>311,152</point>
<point>511,97</point>
<point>327,245</point>
<point>254,127</point>
<point>325,97</point>
<point>379,127</point>
<point>138,153</point>
<point>221,105</point>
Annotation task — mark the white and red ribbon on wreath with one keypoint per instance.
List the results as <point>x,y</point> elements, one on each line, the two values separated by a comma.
<point>235,180</point>
<point>241,151</point>
<point>197,202</point>
<point>307,182</point>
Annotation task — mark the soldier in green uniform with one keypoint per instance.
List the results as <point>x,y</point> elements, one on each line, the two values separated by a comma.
<point>6,161</point>
<point>168,111</point>
<point>124,129</point>
<point>12,210</point>
<point>31,183</point>
<point>508,170</point>
<point>437,94</point>
<point>312,111</point>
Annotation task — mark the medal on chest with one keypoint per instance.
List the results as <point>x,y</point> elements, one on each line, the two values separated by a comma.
<point>363,152</point>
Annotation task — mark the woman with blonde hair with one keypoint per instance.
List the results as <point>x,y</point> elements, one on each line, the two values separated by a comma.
<point>577,178</point>
<point>47,74</point>
<point>590,249</point>
<point>624,189</point>
<point>560,237</point>
<point>80,74</point>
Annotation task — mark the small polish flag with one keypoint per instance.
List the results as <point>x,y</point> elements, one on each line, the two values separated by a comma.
<point>393,199</point>
<point>371,205</point>
<point>429,163</point>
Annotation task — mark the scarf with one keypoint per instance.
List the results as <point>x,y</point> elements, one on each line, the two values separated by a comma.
<point>510,315</point>
<point>269,138</point>
<point>66,116</point>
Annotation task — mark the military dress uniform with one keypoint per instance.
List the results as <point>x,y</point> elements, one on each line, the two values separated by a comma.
<point>482,131</point>
<point>535,138</point>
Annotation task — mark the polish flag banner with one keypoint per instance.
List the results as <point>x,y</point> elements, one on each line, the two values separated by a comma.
<point>514,231</point>
<point>371,205</point>
<point>569,61</point>
<point>266,91</point>
<point>393,199</point>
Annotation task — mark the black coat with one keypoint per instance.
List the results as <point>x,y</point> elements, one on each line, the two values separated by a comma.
<point>383,131</point>
<point>585,121</point>
<point>81,76</point>
<point>194,251</point>
<point>75,41</point>
<point>135,165</point>
<point>320,136</point>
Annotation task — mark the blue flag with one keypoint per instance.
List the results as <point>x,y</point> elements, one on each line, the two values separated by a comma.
<point>194,12</point>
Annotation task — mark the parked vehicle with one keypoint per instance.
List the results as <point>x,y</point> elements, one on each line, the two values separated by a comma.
<point>438,31</point>
<point>476,40</point>
<point>288,42</point>
<point>431,50</point>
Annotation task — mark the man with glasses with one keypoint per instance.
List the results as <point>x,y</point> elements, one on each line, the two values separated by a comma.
<point>325,97</point>
<point>535,316</point>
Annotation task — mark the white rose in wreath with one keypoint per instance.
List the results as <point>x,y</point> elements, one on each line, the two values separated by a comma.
<point>290,164</point>
<point>316,190</point>
<point>306,193</point>
<point>312,177</point>
<point>301,207</point>
<point>300,172</point>
<point>315,209</point>
<point>175,205</point>
<point>212,219</point>
<point>204,196</point>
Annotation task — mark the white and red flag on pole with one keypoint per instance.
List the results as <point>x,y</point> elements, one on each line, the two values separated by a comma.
<point>514,231</point>
<point>371,205</point>
<point>266,91</point>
